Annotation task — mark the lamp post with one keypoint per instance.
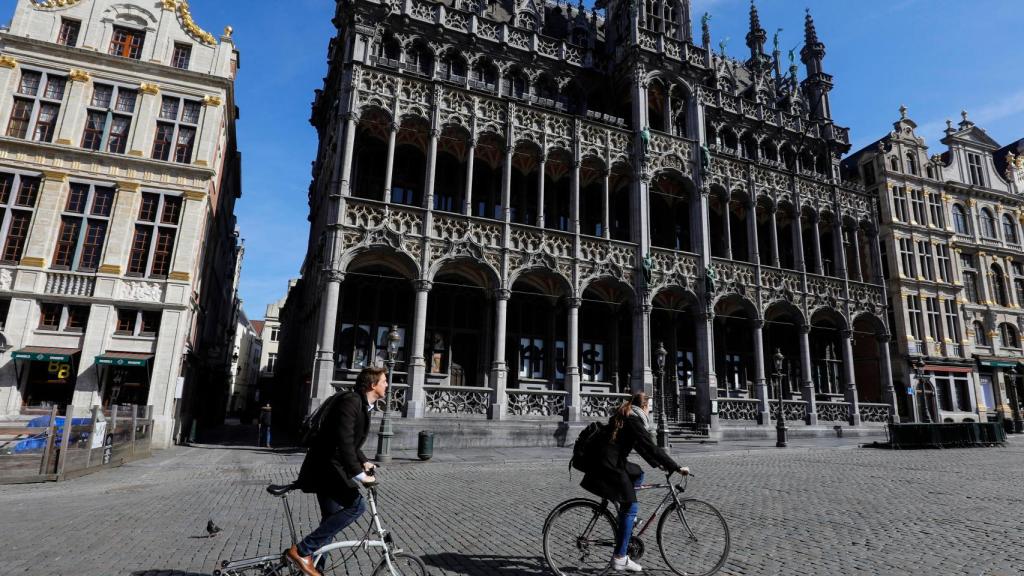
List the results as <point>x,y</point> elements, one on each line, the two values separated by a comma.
<point>1018,424</point>
<point>386,432</point>
<point>780,419</point>
<point>922,382</point>
<point>661,353</point>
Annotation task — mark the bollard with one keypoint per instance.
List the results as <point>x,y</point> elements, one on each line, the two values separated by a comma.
<point>839,431</point>
<point>425,449</point>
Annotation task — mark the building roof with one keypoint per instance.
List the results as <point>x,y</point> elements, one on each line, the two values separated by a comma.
<point>257,325</point>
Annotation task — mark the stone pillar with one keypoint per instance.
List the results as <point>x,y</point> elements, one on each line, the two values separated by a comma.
<point>774,225</point>
<point>43,229</point>
<point>987,294</point>
<point>840,248</point>
<point>417,363</point>
<point>572,364</point>
<point>574,206</point>
<point>323,373</point>
<point>428,195</point>
<point>102,321</point>
<point>541,167</point>
<point>753,243</point>
<point>807,384</point>
<point>190,235</point>
<point>888,390</point>
<point>797,238</point>
<point>345,167</point>
<point>121,230</point>
<point>208,137</point>
<point>727,227</point>
<point>706,381</point>
<point>606,223</point>
<point>146,113</point>
<point>850,376</point>
<point>470,160</point>
<point>819,262</point>
<point>75,112</point>
<point>643,376</point>
<point>856,266</point>
<point>506,188</point>
<point>760,382</point>
<point>499,369</point>
<point>389,166</point>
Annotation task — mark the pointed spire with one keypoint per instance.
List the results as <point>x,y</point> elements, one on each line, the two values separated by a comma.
<point>810,33</point>
<point>813,50</point>
<point>756,37</point>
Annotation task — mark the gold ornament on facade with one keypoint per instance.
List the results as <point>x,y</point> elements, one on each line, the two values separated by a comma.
<point>47,4</point>
<point>79,76</point>
<point>8,62</point>
<point>212,101</point>
<point>190,26</point>
<point>147,88</point>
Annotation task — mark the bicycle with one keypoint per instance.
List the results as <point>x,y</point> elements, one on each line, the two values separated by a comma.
<point>394,561</point>
<point>579,534</point>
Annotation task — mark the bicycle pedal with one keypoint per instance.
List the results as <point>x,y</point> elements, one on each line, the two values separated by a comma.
<point>388,537</point>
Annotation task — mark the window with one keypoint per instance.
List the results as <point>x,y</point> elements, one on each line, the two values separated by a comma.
<point>68,34</point>
<point>980,336</point>
<point>945,263</point>
<point>935,210</point>
<point>176,129</point>
<point>917,201</point>
<point>127,42</point>
<point>914,317</point>
<point>976,170</point>
<point>924,251</point>
<point>275,333</point>
<point>83,227</point>
<point>960,220</point>
<point>5,307</point>
<point>934,318</point>
<point>899,203</point>
<point>906,249</point>
<point>16,213</point>
<point>1008,336</point>
<point>952,321</point>
<point>999,286</point>
<point>1018,287</point>
<point>131,322</point>
<point>988,223</point>
<point>37,102</point>
<point>869,174</point>
<point>971,286</point>
<point>66,318</point>
<point>271,362</point>
<point>911,163</point>
<point>155,232</point>
<point>109,118</point>
<point>182,56</point>
<point>894,164</point>
<point>1009,229</point>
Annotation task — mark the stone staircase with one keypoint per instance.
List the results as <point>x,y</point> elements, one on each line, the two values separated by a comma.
<point>688,433</point>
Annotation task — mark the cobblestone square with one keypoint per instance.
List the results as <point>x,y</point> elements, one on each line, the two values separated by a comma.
<point>806,510</point>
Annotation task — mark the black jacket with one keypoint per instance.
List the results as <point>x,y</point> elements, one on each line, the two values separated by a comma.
<point>611,475</point>
<point>336,456</point>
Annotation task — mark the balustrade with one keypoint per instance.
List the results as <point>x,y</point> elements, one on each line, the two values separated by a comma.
<point>833,411</point>
<point>457,400</point>
<point>794,410</point>
<point>69,284</point>
<point>878,413</point>
<point>738,409</point>
<point>536,402</point>
<point>601,405</point>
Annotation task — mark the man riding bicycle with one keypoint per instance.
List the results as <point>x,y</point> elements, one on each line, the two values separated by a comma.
<point>335,465</point>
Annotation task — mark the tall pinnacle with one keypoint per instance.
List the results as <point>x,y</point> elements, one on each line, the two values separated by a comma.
<point>810,33</point>
<point>813,50</point>
<point>757,36</point>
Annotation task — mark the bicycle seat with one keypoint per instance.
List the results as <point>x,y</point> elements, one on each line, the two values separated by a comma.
<point>280,489</point>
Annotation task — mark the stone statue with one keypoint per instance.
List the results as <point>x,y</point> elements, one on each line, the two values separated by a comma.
<point>705,160</point>
<point>709,281</point>
<point>648,269</point>
<point>645,138</point>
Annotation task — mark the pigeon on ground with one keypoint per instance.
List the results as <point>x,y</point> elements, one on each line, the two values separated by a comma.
<point>211,528</point>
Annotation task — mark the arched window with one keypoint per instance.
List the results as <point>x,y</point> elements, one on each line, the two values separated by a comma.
<point>999,286</point>
<point>419,60</point>
<point>515,83</point>
<point>894,164</point>
<point>980,337</point>
<point>484,75</point>
<point>453,67</point>
<point>911,163</point>
<point>960,220</point>
<point>988,223</point>
<point>388,51</point>
<point>1008,336</point>
<point>1009,229</point>
<point>546,90</point>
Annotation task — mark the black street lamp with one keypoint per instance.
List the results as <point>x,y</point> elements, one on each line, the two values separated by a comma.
<point>922,383</point>
<point>1018,424</point>
<point>661,353</point>
<point>386,432</point>
<point>780,419</point>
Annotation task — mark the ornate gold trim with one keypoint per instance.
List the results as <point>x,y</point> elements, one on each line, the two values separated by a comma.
<point>110,269</point>
<point>147,88</point>
<point>191,195</point>
<point>202,163</point>
<point>64,142</point>
<point>54,175</point>
<point>47,4</point>
<point>169,4</point>
<point>212,101</point>
<point>128,187</point>
<point>33,262</point>
<point>190,26</point>
<point>184,276</point>
<point>79,76</point>
<point>136,153</point>
<point>8,62</point>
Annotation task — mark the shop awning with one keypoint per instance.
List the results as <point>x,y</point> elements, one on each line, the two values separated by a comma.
<point>952,369</point>
<point>45,354</point>
<point>998,362</point>
<point>123,359</point>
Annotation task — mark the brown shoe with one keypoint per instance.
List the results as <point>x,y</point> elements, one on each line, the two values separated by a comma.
<point>304,563</point>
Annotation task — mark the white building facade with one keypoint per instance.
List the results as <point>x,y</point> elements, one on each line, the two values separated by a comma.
<point>117,167</point>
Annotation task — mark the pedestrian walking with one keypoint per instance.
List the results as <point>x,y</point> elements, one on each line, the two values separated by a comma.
<point>612,476</point>
<point>264,426</point>
<point>335,465</point>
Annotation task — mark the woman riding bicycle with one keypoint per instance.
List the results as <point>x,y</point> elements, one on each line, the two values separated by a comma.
<point>611,476</point>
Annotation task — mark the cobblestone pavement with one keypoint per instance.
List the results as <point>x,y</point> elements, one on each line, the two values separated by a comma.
<point>831,509</point>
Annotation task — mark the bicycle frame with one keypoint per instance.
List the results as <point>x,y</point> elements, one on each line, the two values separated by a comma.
<point>671,496</point>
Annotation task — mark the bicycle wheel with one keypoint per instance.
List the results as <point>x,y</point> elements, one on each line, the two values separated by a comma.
<point>579,538</point>
<point>402,564</point>
<point>694,540</point>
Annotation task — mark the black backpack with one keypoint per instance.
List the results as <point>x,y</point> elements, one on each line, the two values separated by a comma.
<point>583,448</point>
<point>309,430</point>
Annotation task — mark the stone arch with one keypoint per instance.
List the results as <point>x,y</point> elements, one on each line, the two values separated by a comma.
<point>131,14</point>
<point>361,257</point>
<point>544,279</point>
<point>478,272</point>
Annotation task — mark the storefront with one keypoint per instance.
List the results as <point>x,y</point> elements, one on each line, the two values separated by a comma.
<point>124,377</point>
<point>995,377</point>
<point>49,374</point>
<point>952,396</point>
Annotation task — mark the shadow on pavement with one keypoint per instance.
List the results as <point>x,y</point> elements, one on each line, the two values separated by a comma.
<point>477,564</point>
<point>158,572</point>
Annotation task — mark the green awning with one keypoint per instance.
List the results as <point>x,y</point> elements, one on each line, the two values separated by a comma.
<point>123,359</point>
<point>997,362</point>
<point>45,354</point>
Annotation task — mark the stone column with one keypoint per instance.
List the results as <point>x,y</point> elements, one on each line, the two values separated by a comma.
<point>807,384</point>
<point>987,294</point>
<point>797,237</point>
<point>470,160</point>
<point>888,390</point>
<point>643,376</point>
<point>417,363</point>
<point>840,248</point>
<point>75,112</point>
<point>499,369</point>
<point>774,225</point>
<point>819,262</point>
<point>753,243</point>
<point>345,167</point>
<point>389,166</point>
<point>850,376</point>
<point>574,207</point>
<point>44,227</point>
<point>727,227</point>
<point>428,195</point>
<point>190,235</point>
<point>208,137</point>
<point>506,188</point>
<point>761,383</point>
<point>147,111</point>
<point>855,265</point>
<point>324,370</point>
<point>541,167</point>
<point>606,223</point>
<point>706,381</point>
<point>572,364</point>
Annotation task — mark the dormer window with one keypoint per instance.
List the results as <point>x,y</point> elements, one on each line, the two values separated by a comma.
<point>977,172</point>
<point>182,56</point>
<point>127,42</point>
<point>68,35</point>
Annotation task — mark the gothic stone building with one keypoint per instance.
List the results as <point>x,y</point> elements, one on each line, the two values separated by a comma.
<point>537,196</point>
<point>118,178</point>
<point>954,260</point>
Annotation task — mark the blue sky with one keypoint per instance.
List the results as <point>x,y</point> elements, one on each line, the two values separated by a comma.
<point>935,56</point>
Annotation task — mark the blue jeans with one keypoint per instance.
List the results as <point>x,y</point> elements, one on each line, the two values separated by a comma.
<point>333,519</point>
<point>627,516</point>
